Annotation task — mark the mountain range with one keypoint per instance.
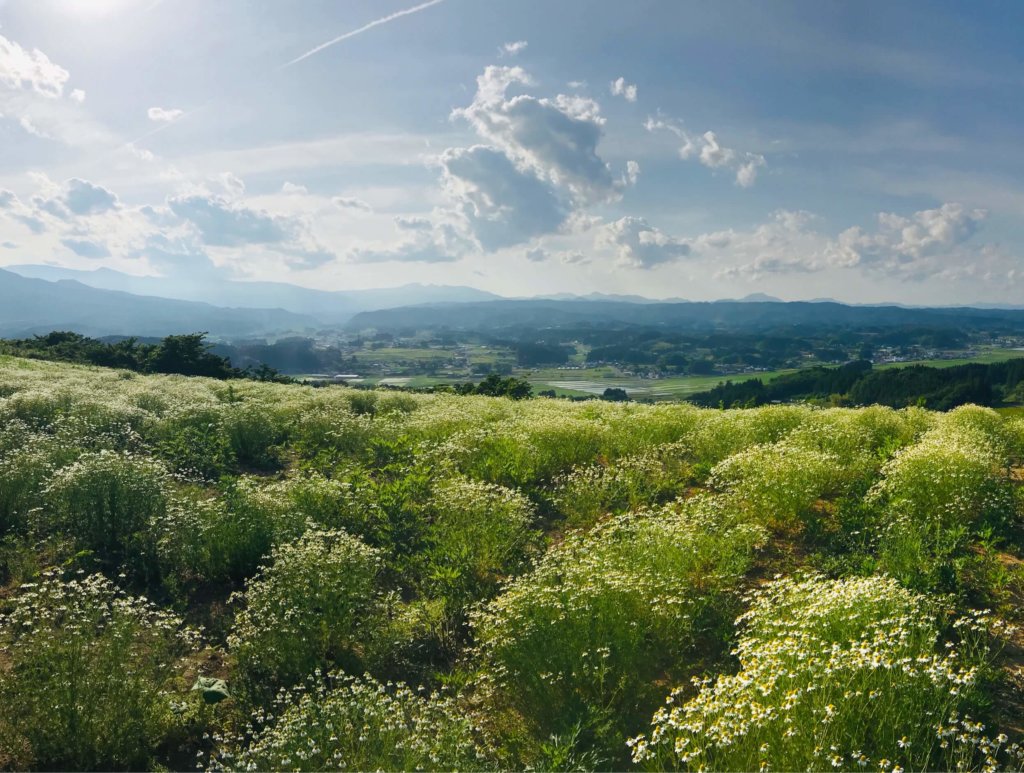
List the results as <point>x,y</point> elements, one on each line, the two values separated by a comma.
<point>37,299</point>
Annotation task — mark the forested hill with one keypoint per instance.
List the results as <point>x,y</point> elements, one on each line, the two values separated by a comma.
<point>858,383</point>
<point>723,315</point>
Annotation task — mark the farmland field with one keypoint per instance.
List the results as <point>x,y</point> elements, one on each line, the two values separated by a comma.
<point>245,575</point>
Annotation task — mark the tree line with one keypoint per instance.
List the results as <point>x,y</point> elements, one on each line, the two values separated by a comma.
<point>188,355</point>
<point>859,383</point>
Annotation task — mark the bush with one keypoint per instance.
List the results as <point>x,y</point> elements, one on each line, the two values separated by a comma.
<point>779,482</point>
<point>107,503</point>
<point>196,444</point>
<point>310,607</point>
<point>581,640</point>
<point>628,483</point>
<point>89,667</point>
<point>834,674</point>
<point>479,534</point>
<point>935,496</point>
<point>355,724</point>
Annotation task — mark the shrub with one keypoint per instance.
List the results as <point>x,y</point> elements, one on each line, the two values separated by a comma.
<point>934,495</point>
<point>582,639</point>
<point>254,431</point>
<point>309,608</point>
<point>107,503</point>
<point>833,674</point>
<point>356,723</point>
<point>779,482</point>
<point>85,687</point>
<point>628,483</point>
<point>479,534</point>
<point>196,444</point>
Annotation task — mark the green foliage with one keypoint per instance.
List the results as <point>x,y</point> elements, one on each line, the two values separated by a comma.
<point>555,567</point>
<point>581,639</point>
<point>108,503</point>
<point>935,496</point>
<point>86,678</point>
<point>196,444</point>
<point>628,483</point>
<point>479,534</point>
<point>310,607</point>
<point>356,724</point>
<point>836,674</point>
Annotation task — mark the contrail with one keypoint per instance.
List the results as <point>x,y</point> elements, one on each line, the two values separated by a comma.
<point>364,28</point>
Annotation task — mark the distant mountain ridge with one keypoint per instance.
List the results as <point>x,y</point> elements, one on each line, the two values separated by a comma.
<point>746,315</point>
<point>35,306</point>
<point>328,306</point>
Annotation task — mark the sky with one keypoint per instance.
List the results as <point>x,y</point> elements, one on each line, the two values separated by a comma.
<point>867,152</point>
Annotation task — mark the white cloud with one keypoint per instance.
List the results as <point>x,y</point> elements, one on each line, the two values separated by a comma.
<point>164,115</point>
<point>293,189</point>
<point>632,172</point>
<point>640,245</point>
<point>926,244</point>
<point>907,245</point>
<point>557,139</point>
<point>710,152</point>
<point>87,249</point>
<point>77,96</point>
<point>620,88</point>
<point>501,204</point>
<point>351,203</point>
<point>224,222</point>
<point>513,48</point>
<point>30,70</point>
<point>440,243</point>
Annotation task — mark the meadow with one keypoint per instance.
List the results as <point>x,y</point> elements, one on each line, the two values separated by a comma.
<point>237,575</point>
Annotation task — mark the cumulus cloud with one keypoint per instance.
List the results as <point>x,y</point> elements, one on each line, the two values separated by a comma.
<point>555,138</point>
<point>77,197</point>
<point>164,115</point>
<point>501,204</point>
<point>223,222</point>
<point>30,70</point>
<point>928,243</point>
<point>711,153</point>
<point>77,96</point>
<point>293,189</point>
<point>632,172</point>
<point>620,88</point>
<point>905,245</point>
<point>513,48</point>
<point>440,243</point>
<point>413,223</point>
<point>639,244</point>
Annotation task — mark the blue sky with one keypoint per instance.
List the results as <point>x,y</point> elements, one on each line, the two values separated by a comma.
<point>861,151</point>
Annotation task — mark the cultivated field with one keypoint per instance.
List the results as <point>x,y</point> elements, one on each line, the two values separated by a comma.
<point>241,575</point>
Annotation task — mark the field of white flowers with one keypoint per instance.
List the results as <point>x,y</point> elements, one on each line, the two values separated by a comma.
<point>200,574</point>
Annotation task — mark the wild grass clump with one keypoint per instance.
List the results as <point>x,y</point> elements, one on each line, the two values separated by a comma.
<point>86,678</point>
<point>311,607</point>
<point>355,723</point>
<point>841,674</point>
